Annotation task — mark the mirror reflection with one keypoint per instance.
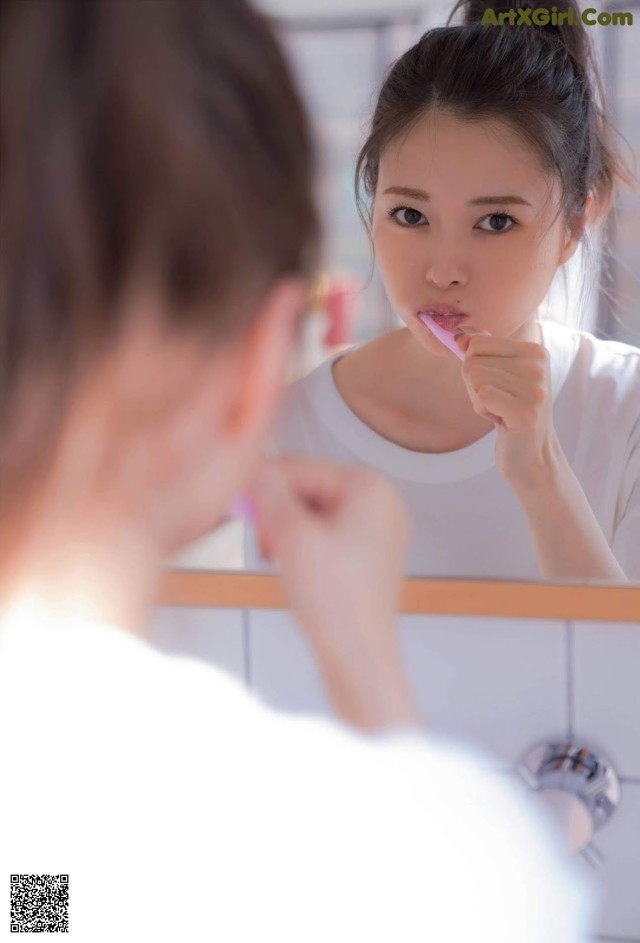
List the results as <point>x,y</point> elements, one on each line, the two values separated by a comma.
<point>516,448</point>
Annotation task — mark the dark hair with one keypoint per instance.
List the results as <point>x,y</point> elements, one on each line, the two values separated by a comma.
<point>154,136</point>
<point>542,81</point>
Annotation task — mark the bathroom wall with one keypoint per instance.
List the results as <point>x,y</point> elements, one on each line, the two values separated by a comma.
<point>503,685</point>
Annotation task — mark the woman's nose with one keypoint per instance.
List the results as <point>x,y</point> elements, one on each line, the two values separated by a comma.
<point>444,267</point>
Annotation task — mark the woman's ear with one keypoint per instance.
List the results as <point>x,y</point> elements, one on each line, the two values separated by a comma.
<point>575,230</point>
<point>265,356</point>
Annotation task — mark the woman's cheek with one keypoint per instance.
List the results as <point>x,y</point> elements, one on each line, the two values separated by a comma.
<point>396,263</point>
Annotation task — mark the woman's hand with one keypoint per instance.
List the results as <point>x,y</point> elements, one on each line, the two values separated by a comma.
<point>340,535</point>
<point>509,382</point>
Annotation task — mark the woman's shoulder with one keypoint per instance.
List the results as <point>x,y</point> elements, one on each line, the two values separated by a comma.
<point>584,339</point>
<point>600,382</point>
<point>308,394</point>
<point>310,381</point>
<point>599,358</point>
<point>316,383</point>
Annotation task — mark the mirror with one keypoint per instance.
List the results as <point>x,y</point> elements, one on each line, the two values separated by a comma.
<point>468,522</point>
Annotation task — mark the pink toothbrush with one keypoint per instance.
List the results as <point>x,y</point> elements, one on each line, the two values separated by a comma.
<point>444,336</point>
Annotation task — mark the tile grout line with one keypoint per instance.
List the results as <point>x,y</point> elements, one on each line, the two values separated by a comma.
<point>246,646</point>
<point>570,657</point>
<point>569,639</point>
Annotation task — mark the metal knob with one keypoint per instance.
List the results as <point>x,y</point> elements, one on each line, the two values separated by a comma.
<point>577,784</point>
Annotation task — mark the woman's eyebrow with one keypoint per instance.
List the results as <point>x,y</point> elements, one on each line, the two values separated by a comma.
<point>416,194</point>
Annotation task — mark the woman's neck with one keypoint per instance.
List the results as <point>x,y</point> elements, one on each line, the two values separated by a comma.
<point>422,386</point>
<point>78,569</point>
<point>391,379</point>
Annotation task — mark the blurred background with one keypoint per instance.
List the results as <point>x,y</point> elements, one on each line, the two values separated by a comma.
<point>340,51</point>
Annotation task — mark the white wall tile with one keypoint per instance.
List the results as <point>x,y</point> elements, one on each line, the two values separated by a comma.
<point>214,635</point>
<point>619,842</point>
<point>606,658</point>
<point>281,667</point>
<point>496,683</point>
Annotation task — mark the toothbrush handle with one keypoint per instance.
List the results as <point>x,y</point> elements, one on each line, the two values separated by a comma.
<point>445,337</point>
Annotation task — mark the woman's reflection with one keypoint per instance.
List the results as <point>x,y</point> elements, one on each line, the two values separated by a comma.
<point>523,459</point>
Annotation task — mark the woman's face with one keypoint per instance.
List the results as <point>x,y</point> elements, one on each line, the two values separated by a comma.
<point>478,236</point>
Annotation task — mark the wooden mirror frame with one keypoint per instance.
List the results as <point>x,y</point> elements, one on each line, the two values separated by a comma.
<point>585,602</point>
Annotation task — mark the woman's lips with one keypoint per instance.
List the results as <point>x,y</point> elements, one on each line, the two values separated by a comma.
<point>449,322</point>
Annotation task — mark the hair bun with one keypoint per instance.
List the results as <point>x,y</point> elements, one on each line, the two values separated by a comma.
<point>573,39</point>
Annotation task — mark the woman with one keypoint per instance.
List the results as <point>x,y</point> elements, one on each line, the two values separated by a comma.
<point>489,153</point>
<point>158,242</point>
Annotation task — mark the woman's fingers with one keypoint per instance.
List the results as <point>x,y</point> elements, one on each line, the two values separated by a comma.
<point>309,491</point>
<point>319,484</point>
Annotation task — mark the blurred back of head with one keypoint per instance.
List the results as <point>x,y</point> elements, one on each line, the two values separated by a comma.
<point>160,140</point>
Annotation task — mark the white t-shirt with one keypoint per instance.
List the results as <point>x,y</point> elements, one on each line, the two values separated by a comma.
<point>182,809</point>
<point>458,501</point>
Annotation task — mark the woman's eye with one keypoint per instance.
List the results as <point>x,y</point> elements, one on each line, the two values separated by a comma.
<point>410,220</point>
<point>502,219</point>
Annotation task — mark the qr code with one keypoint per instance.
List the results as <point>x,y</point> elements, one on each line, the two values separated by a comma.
<point>39,903</point>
